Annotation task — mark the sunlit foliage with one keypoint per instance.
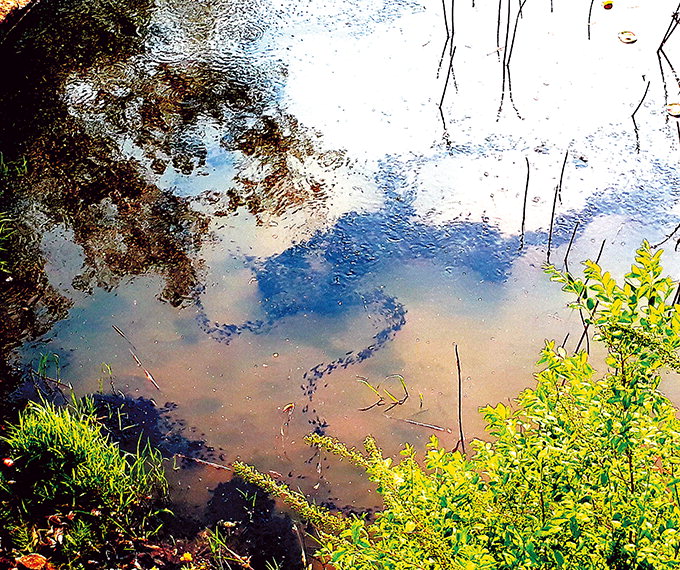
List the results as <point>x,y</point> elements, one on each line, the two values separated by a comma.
<point>580,472</point>
<point>66,489</point>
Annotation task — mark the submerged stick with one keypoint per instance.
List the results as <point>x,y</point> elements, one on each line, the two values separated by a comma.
<point>460,401</point>
<point>524,207</point>
<point>635,127</point>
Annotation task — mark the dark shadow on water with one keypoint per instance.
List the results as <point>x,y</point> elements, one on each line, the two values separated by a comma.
<point>260,532</point>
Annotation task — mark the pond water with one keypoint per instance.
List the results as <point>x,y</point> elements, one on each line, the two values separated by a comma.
<point>264,201</point>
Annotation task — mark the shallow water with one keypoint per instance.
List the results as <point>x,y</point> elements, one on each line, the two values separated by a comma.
<point>267,200</point>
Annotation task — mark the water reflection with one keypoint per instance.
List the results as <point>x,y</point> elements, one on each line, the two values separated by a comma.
<point>278,172</point>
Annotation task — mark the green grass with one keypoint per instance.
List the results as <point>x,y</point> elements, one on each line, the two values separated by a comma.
<point>66,489</point>
<point>6,231</point>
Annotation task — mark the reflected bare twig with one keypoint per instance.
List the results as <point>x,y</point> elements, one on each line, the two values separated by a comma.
<point>460,402</point>
<point>635,127</point>
<point>524,206</point>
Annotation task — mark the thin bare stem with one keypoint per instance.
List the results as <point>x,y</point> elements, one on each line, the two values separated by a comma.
<point>590,15</point>
<point>460,400</point>
<point>524,206</point>
<point>637,134</point>
<point>571,241</point>
<point>564,165</point>
<point>552,222</point>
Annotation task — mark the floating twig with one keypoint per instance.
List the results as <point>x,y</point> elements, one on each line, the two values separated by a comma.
<point>148,374</point>
<point>635,127</point>
<point>524,206</point>
<point>420,424</point>
<point>121,333</point>
<point>135,358</point>
<point>460,400</point>
<point>151,379</point>
<point>204,462</point>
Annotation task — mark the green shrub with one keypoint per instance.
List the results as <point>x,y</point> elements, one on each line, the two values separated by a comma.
<point>66,489</point>
<point>581,472</point>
